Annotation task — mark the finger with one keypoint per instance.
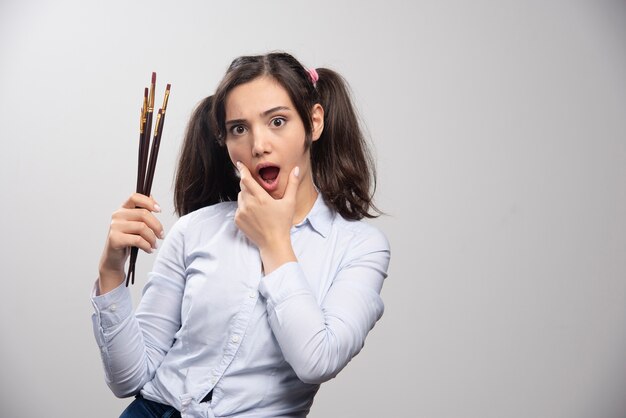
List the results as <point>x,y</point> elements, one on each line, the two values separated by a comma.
<point>138,200</point>
<point>241,201</point>
<point>136,228</point>
<point>120,240</point>
<point>292,184</point>
<point>139,215</point>
<point>240,209</point>
<point>247,181</point>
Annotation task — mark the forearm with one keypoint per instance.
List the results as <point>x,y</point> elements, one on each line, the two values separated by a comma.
<point>121,343</point>
<point>133,345</point>
<point>109,280</point>
<point>275,254</point>
<point>318,341</point>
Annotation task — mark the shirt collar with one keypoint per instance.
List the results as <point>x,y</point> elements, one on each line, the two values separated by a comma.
<point>320,217</point>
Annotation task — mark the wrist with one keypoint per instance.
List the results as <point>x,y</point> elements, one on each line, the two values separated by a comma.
<point>109,280</point>
<point>276,254</point>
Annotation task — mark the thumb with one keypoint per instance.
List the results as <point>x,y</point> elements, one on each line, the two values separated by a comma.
<point>292,184</point>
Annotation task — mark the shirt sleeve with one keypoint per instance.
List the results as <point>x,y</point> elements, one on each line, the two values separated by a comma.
<point>132,346</point>
<point>318,340</point>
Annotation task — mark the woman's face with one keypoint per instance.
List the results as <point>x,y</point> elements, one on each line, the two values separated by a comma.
<point>264,131</point>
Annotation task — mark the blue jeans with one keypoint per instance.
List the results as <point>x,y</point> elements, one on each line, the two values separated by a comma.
<point>144,408</point>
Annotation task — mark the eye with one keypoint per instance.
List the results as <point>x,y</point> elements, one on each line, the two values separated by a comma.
<point>278,122</point>
<point>237,130</point>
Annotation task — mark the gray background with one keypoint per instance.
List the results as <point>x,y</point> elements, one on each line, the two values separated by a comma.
<point>499,130</point>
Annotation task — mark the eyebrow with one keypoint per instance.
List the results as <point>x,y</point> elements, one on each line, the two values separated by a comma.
<point>263,114</point>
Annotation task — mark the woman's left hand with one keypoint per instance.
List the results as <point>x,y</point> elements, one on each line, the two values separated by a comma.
<point>267,221</point>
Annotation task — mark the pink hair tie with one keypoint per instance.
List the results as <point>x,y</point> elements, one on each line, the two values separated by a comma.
<point>314,76</point>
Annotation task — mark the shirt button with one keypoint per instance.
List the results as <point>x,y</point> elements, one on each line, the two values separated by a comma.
<point>113,307</point>
<point>235,338</point>
<point>252,294</point>
<point>213,380</point>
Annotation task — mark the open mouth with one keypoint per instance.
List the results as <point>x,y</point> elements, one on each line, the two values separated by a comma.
<point>269,175</point>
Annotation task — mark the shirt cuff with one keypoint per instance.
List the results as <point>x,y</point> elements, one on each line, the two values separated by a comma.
<point>112,307</point>
<point>283,283</point>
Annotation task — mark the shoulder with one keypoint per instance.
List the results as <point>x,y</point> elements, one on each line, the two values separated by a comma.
<point>214,212</point>
<point>362,235</point>
<point>216,215</point>
<point>213,223</point>
<point>359,244</point>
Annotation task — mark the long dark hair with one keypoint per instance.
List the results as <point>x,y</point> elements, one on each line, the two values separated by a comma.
<point>342,167</point>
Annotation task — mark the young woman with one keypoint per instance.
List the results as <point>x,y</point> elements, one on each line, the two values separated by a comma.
<point>270,281</point>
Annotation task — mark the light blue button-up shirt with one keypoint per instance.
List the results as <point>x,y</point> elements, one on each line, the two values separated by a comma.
<point>209,320</point>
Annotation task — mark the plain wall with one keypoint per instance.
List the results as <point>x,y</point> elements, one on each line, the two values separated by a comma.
<point>500,135</point>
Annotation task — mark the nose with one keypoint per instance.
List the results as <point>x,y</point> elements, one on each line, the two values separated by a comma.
<point>260,143</point>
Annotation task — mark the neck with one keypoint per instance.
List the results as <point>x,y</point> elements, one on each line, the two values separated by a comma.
<point>305,199</point>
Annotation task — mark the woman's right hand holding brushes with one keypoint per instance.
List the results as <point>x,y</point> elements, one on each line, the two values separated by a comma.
<point>132,225</point>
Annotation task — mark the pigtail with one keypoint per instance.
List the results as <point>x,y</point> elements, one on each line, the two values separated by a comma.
<point>343,168</point>
<point>205,174</point>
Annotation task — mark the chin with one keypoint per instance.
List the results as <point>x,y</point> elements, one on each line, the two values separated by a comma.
<point>277,194</point>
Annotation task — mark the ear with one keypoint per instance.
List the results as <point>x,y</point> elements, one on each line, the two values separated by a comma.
<point>317,117</point>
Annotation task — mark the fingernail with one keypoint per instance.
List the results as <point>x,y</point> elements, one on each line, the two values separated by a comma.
<point>162,234</point>
<point>156,245</point>
<point>296,172</point>
<point>157,208</point>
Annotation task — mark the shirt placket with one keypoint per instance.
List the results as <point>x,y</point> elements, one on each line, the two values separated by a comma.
<point>238,329</point>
